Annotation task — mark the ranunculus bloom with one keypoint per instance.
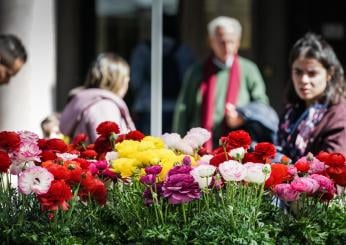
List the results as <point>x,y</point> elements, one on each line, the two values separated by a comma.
<point>219,158</point>
<point>107,127</point>
<point>265,150</point>
<point>286,192</point>
<point>198,135</point>
<point>203,175</point>
<point>155,169</point>
<point>148,195</point>
<point>56,197</point>
<point>279,174</point>
<point>338,174</point>
<point>180,188</point>
<point>302,165</point>
<point>56,145</point>
<point>9,141</point>
<point>236,139</point>
<point>317,167</point>
<point>148,179</point>
<point>237,153</point>
<point>257,172</point>
<point>102,144</point>
<point>5,162</point>
<point>232,171</point>
<point>80,139</point>
<point>135,135</point>
<point>305,185</point>
<point>335,160</point>
<point>36,180</point>
<point>252,157</point>
<point>18,167</point>
<point>326,185</point>
<point>89,154</point>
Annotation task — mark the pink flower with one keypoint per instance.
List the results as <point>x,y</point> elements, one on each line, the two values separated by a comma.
<point>203,175</point>
<point>316,166</point>
<point>36,180</point>
<point>232,170</point>
<point>292,170</point>
<point>286,192</point>
<point>326,184</point>
<point>305,185</point>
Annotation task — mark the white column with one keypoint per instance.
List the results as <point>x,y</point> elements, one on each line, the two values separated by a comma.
<point>30,96</point>
<point>156,69</point>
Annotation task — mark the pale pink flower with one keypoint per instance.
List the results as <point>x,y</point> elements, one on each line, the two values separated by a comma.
<point>203,175</point>
<point>66,156</point>
<point>305,185</point>
<point>201,135</point>
<point>17,167</point>
<point>27,136</point>
<point>35,180</point>
<point>292,170</point>
<point>205,159</point>
<point>28,151</point>
<point>171,140</point>
<point>232,170</point>
<point>184,147</point>
<point>257,172</point>
<point>286,192</point>
<point>316,166</point>
<point>237,153</point>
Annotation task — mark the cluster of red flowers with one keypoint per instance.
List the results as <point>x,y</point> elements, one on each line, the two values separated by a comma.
<point>9,142</point>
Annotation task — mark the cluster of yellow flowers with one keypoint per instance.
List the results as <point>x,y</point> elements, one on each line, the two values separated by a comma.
<point>134,156</point>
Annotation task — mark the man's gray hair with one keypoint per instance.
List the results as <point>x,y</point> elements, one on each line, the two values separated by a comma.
<point>230,24</point>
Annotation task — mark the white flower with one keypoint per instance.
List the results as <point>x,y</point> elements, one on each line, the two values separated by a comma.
<point>184,147</point>
<point>257,172</point>
<point>232,170</point>
<point>203,175</point>
<point>67,156</point>
<point>111,155</point>
<point>237,153</point>
<point>171,140</point>
<point>36,180</point>
<point>201,135</point>
<point>205,159</point>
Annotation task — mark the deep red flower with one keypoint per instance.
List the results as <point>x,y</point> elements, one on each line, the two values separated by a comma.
<point>98,192</point>
<point>265,150</point>
<point>120,138</point>
<point>42,143</point>
<point>102,144</point>
<point>56,145</point>
<point>238,138</point>
<point>89,154</point>
<point>219,158</point>
<point>9,141</point>
<point>338,174</point>
<point>322,156</point>
<point>57,196</point>
<point>252,157</point>
<point>107,127</point>
<point>203,151</point>
<point>135,135</point>
<point>47,155</point>
<point>80,139</point>
<point>84,164</point>
<point>302,165</point>
<point>5,162</point>
<point>279,174</point>
<point>335,160</point>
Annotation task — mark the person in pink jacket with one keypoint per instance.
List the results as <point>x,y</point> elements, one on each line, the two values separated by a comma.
<point>100,99</point>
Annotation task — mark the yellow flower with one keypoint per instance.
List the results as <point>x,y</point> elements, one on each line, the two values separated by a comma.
<point>126,167</point>
<point>151,142</point>
<point>127,148</point>
<point>148,157</point>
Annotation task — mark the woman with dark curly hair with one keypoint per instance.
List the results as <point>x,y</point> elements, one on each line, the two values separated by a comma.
<point>314,119</point>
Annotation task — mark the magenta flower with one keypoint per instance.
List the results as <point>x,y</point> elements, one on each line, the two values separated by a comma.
<point>286,192</point>
<point>148,179</point>
<point>184,169</point>
<point>180,188</point>
<point>155,169</point>
<point>101,165</point>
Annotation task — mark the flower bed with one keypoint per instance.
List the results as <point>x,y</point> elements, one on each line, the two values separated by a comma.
<point>131,188</point>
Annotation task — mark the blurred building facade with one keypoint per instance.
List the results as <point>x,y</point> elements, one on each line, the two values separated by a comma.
<point>71,33</point>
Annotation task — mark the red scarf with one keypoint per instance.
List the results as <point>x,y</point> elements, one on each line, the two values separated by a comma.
<point>208,88</point>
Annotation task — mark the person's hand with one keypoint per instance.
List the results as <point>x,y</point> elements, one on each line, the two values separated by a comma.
<point>232,118</point>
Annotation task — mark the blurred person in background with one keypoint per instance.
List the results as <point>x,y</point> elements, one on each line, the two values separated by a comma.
<point>12,57</point>
<point>314,118</point>
<point>226,92</point>
<point>100,99</point>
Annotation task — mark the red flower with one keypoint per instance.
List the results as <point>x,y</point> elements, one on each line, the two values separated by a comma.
<point>102,144</point>
<point>9,141</point>
<point>265,150</point>
<point>42,143</point>
<point>338,174</point>
<point>107,127</point>
<point>252,157</point>
<point>47,155</point>
<point>219,158</point>
<point>203,151</point>
<point>57,196</point>
<point>335,160</point>
<point>84,164</point>
<point>279,174</point>
<point>59,171</point>
<point>56,145</point>
<point>302,165</point>
<point>80,139</point>
<point>89,154</point>
<point>135,135</point>
<point>238,138</point>
<point>5,162</point>
<point>323,156</point>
